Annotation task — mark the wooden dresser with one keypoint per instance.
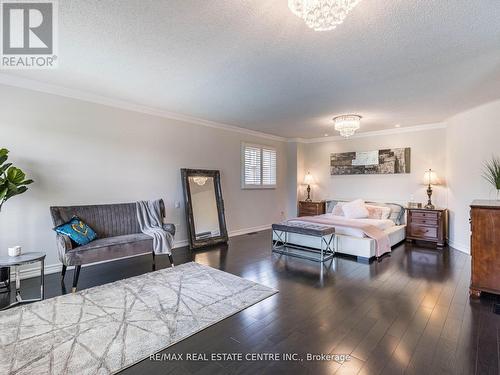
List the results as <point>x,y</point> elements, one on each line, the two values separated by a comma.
<point>311,208</point>
<point>485,247</point>
<point>427,225</point>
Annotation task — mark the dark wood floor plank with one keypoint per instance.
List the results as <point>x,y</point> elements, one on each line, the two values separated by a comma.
<point>379,357</point>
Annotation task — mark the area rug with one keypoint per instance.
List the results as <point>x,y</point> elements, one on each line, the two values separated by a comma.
<point>105,329</point>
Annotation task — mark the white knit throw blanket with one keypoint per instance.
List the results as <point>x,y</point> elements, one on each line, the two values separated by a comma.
<point>150,222</point>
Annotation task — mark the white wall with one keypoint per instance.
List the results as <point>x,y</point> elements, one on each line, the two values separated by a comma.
<point>472,138</point>
<point>427,151</point>
<point>84,153</point>
<point>295,176</point>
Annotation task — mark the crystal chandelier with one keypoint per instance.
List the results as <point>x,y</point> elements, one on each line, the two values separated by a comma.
<point>200,181</point>
<point>322,15</point>
<point>347,124</point>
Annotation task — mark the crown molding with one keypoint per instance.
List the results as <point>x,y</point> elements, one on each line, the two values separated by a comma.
<point>34,85</point>
<point>375,133</point>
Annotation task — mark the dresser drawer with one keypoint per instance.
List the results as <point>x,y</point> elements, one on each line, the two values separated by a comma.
<point>311,208</point>
<point>308,213</point>
<point>424,215</point>
<point>424,222</point>
<point>423,232</point>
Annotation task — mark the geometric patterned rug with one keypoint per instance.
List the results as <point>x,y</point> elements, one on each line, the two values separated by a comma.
<point>105,329</point>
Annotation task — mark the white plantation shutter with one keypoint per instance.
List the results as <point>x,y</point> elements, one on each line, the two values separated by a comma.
<point>258,168</point>
<point>268,167</point>
<point>252,165</point>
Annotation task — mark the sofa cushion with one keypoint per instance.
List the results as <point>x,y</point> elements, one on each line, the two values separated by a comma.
<point>111,241</point>
<point>109,248</point>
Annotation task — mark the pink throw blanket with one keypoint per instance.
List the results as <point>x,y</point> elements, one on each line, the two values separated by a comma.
<point>381,239</point>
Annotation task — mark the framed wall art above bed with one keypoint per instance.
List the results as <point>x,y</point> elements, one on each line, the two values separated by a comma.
<point>386,161</point>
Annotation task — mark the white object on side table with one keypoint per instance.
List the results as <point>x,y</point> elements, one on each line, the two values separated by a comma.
<point>14,251</point>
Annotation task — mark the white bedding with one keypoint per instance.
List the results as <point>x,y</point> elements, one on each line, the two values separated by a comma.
<point>382,224</point>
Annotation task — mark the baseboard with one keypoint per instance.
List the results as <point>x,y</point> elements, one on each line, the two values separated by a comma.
<point>460,247</point>
<point>55,268</point>
<point>240,232</point>
<point>28,273</point>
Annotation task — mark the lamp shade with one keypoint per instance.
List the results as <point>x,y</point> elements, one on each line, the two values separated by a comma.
<point>308,179</point>
<point>431,178</point>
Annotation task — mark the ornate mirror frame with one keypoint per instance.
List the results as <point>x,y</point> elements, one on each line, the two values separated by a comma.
<point>215,174</point>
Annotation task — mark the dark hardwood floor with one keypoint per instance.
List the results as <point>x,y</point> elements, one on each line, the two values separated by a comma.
<point>409,313</point>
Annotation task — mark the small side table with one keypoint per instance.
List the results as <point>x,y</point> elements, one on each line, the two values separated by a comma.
<point>21,260</point>
<point>427,225</point>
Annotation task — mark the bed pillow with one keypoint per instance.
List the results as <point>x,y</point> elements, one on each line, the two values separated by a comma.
<point>337,209</point>
<point>77,230</point>
<point>378,212</point>
<point>355,209</point>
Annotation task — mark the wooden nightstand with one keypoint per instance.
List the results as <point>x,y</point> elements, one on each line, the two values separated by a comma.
<point>427,225</point>
<point>311,208</point>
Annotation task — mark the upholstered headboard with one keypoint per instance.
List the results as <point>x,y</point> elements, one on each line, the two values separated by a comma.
<point>397,211</point>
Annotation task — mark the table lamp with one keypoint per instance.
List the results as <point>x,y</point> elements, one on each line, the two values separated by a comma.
<point>308,180</point>
<point>430,179</point>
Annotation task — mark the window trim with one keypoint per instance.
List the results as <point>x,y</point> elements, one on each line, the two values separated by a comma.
<point>261,147</point>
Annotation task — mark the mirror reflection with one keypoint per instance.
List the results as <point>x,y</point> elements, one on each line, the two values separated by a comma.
<point>204,203</point>
<point>205,218</point>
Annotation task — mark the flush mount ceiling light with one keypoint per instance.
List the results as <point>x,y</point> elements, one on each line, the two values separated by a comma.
<point>322,15</point>
<point>347,124</point>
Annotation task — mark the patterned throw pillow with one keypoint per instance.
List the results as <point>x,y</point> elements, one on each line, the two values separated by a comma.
<point>337,209</point>
<point>378,212</point>
<point>77,230</point>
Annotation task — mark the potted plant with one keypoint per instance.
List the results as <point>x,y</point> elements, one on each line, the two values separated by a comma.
<point>491,173</point>
<point>12,182</point>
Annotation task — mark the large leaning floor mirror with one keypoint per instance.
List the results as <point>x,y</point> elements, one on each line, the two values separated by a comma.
<point>204,207</point>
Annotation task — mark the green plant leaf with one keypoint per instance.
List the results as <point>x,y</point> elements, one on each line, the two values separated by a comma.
<point>4,167</point>
<point>13,180</point>
<point>12,190</point>
<point>15,175</point>
<point>491,172</point>
<point>21,189</point>
<point>3,193</point>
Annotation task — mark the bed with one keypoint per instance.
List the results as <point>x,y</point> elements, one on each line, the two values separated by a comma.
<point>352,241</point>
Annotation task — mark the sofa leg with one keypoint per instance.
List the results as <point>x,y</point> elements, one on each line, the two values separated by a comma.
<point>63,272</point>
<point>171,259</point>
<point>154,261</point>
<point>76,275</point>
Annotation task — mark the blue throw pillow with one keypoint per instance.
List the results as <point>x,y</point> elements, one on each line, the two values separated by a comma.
<point>77,230</point>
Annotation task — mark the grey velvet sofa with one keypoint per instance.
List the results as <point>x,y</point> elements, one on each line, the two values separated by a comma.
<point>118,235</point>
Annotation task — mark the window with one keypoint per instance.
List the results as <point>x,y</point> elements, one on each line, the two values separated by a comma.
<point>258,166</point>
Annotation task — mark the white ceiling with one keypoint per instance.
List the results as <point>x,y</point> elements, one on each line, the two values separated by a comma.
<point>253,64</point>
